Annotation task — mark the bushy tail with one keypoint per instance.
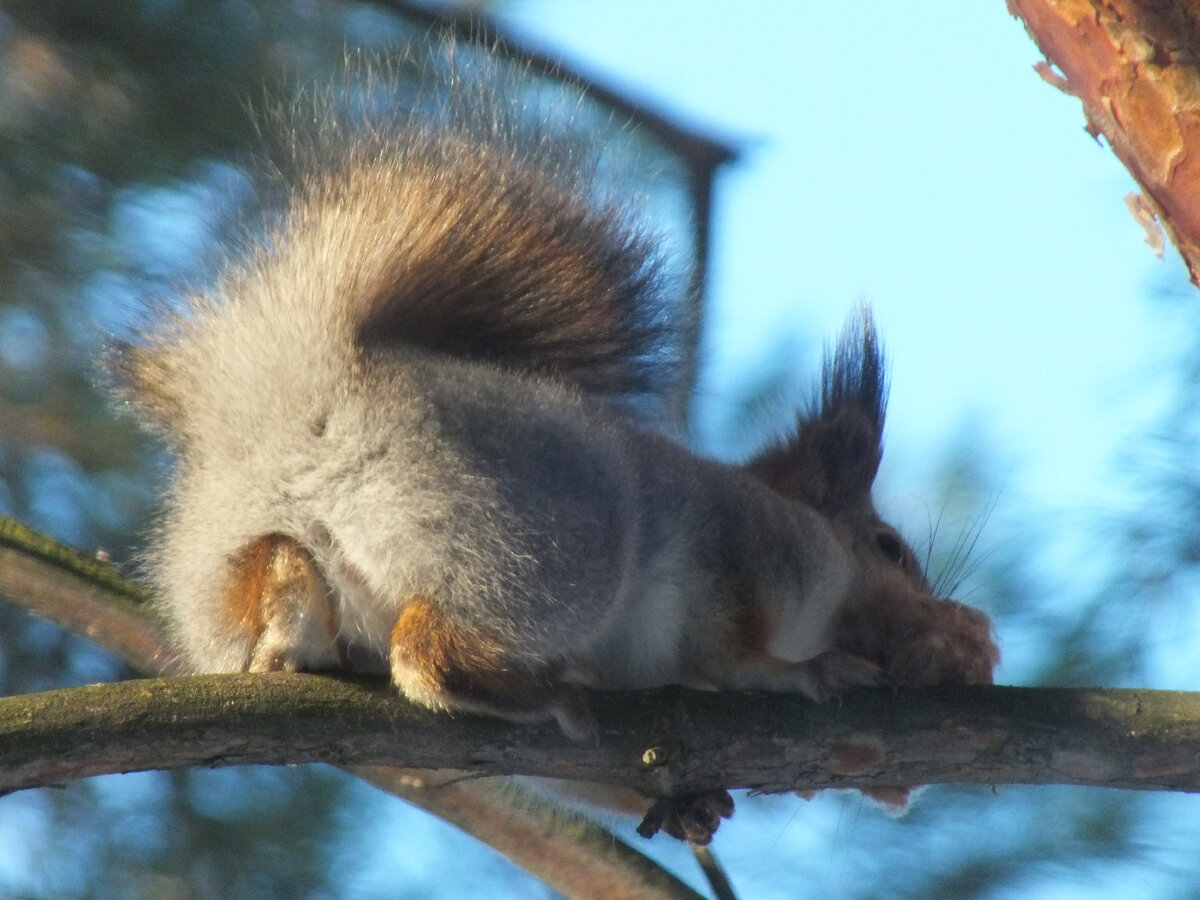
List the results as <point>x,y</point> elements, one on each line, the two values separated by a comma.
<point>498,243</point>
<point>447,219</point>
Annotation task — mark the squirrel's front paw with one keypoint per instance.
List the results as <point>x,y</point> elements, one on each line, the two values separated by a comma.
<point>688,817</point>
<point>920,640</point>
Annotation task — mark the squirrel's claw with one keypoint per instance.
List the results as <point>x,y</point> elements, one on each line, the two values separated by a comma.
<point>688,817</point>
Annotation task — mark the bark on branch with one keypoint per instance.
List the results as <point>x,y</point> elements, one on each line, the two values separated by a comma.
<point>1134,66</point>
<point>659,742</point>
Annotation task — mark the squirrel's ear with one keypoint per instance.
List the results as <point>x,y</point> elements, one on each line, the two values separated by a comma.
<point>848,450</point>
<point>832,459</point>
<point>830,463</point>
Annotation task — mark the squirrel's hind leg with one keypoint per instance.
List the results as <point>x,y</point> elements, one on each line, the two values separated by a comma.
<point>446,665</point>
<point>280,600</point>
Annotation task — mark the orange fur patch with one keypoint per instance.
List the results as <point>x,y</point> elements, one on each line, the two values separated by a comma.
<point>243,598</point>
<point>437,655</point>
<point>272,572</point>
<point>443,663</point>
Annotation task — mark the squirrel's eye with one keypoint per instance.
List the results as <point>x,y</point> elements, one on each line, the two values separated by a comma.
<point>892,547</point>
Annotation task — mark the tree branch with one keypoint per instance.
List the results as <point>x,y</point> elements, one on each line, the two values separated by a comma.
<point>574,857</point>
<point>84,595</point>
<point>579,860</point>
<point>659,742</point>
<point>1133,65</point>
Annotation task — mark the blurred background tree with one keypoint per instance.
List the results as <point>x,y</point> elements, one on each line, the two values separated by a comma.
<point>124,135</point>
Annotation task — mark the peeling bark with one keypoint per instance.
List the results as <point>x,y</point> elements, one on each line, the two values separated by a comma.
<point>1133,64</point>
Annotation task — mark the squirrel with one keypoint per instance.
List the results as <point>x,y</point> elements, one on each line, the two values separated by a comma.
<point>401,434</point>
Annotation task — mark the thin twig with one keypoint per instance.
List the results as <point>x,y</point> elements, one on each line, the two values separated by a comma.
<point>713,871</point>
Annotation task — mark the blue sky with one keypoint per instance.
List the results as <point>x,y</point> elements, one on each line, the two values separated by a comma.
<point>914,158</point>
<point>922,164</point>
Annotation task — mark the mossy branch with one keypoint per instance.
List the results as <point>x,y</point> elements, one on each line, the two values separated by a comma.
<point>659,742</point>
<point>88,596</point>
<point>1134,739</point>
<point>84,595</point>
